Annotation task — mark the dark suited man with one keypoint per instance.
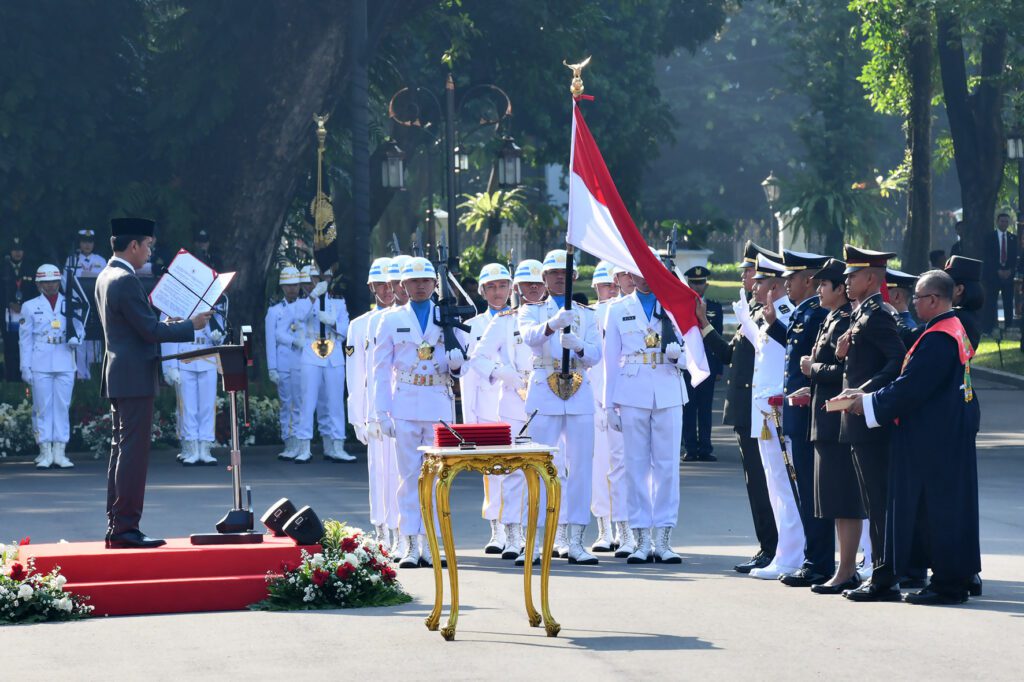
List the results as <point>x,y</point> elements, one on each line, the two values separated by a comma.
<point>697,412</point>
<point>132,335</point>
<point>1000,263</point>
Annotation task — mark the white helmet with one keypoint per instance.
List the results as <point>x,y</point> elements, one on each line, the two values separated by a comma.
<point>418,267</point>
<point>492,272</point>
<point>47,273</point>
<point>603,274</point>
<point>395,267</point>
<point>555,260</point>
<point>289,275</point>
<point>528,271</point>
<point>379,271</point>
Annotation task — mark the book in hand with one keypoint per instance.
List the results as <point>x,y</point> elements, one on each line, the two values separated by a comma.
<point>189,287</point>
<point>840,403</point>
<point>800,397</point>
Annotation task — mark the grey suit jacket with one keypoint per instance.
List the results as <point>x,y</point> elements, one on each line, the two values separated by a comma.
<point>132,333</point>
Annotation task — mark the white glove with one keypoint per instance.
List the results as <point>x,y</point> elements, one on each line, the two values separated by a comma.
<point>372,432</point>
<point>455,359</point>
<point>562,319</point>
<point>360,430</point>
<point>326,318</point>
<point>509,376</point>
<point>571,341</point>
<point>171,376</point>
<point>387,427</point>
<point>296,342</point>
<point>673,351</point>
<point>26,376</point>
<point>218,336</point>
<point>614,420</point>
<point>74,342</point>
<point>319,290</point>
<point>274,376</point>
<point>601,420</point>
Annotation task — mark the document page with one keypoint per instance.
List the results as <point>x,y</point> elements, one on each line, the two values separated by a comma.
<point>188,287</point>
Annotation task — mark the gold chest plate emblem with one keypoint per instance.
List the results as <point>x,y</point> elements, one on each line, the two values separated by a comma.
<point>425,351</point>
<point>652,340</point>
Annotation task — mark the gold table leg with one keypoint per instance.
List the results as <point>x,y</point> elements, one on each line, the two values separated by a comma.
<point>443,488</point>
<point>426,488</point>
<point>554,493</point>
<point>533,504</point>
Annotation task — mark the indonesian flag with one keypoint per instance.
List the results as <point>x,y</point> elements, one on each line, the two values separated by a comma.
<point>600,225</point>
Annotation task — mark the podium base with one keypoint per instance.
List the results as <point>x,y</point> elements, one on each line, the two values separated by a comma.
<point>247,538</point>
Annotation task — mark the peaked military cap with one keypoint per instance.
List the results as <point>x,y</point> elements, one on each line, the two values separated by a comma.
<point>833,271</point>
<point>750,253</point>
<point>798,261</point>
<point>858,259</point>
<point>768,268</point>
<point>698,274</point>
<point>896,279</point>
<point>963,269</point>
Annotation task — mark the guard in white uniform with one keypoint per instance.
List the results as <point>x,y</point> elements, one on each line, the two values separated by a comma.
<point>767,382</point>
<point>283,337</point>
<point>567,423</point>
<point>195,383</point>
<point>48,366</point>
<point>357,354</point>
<point>644,395</point>
<point>623,280</point>
<point>413,376</point>
<point>480,397</point>
<point>608,503</point>
<point>309,277</point>
<point>87,264</point>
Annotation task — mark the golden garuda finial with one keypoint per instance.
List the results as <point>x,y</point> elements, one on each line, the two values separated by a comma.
<point>324,231</point>
<point>576,87</point>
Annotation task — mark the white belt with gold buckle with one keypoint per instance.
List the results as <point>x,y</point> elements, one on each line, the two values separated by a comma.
<point>422,379</point>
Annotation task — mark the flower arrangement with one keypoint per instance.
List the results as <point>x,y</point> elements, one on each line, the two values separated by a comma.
<point>94,431</point>
<point>30,597</point>
<point>264,427</point>
<point>352,571</point>
<point>17,434</point>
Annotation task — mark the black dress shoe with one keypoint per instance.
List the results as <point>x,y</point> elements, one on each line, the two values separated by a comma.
<point>106,539</point>
<point>690,458</point>
<point>759,560</point>
<point>870,591</point>
<point>929,597</point>
<point>974,586</point>
<point>133,539</point>
<point>707,458</point>
<point>851,584</point>
<point>908,583</point>
<point>805,577</point>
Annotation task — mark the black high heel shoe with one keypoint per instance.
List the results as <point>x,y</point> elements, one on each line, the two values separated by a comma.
<point>851,584</point>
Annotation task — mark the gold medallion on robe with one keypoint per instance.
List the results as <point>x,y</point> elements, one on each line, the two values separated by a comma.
<point>55,324</point>
<point>425,351</point>
<point>652,340</point>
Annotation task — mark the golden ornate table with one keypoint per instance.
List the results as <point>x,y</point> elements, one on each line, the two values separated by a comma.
<point>440,467</point>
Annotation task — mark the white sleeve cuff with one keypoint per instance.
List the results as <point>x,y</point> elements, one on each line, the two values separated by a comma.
<point>869,411</point>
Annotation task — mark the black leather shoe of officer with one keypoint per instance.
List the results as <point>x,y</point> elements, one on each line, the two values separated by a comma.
<point>805,577</point>
<point>689,457</point>
<point>871,591</point>
<point>106,539</point>
<point>974,586</point>
<point>909,583</point>
<point>133,539</point>
<point>759,560</point>
<point>707,458</point>
<point>929,597</point>
<point>851,584</point>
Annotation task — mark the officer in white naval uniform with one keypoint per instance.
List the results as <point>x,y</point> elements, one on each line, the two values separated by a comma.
<point>87,264</point>
<point>503,360</point>
<point>413,377</point>
<point>623,280</point>
<point>356,373</point>
<point>309,277</point>
<point>480,397</point>
<point>195,384</point>
<point>283,339</point>
<point>569,423</point>
<point>644,395</point>
<point>609,476</point>
<point>48,366</point>
<point>767,382</point>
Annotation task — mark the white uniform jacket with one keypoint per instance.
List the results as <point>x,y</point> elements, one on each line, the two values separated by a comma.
<point>597,372</point>
<point>637,375</point>
<point>42,337</point>
<point>502,345</point>
<point>200,340</point>
<point>356,366</point>
<point>479,396</point>
<point>88,266</point>
<point>309,309</point>
<point>769,363</point>
<point>547,357</point>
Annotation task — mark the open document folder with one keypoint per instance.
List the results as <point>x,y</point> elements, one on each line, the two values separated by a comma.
<point>189,287</point>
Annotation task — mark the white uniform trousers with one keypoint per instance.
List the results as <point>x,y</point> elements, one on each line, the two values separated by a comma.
<point>51,399</point>
<point>789,553</point>
<point>573,434</point>
<point>375,471</point>
<point>390,474</point>
<point>410,435</point>
<point>651,439</point>
<point>289,393</point>
<point>330,380</point>
<point>609,476</point>
<point>505,494</point>
<point>197,405</point>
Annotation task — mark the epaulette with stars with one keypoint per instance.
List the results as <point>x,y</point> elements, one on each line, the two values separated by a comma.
<point>814,304</point>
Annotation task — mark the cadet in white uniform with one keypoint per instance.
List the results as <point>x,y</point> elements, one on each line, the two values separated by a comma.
<point>48,366</point>
<point>87,264</point>
<point>195,384</point>
<point>413,377</point>
<point>608,504</point>
<point>644,396</point>
<point>283,339</point>
<point>356,379</point>
<point>480,397</point>
<point>769,369</point>
<point>569,423</point>
<point>309,277</point>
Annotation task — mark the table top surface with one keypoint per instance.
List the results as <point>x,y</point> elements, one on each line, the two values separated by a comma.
<point>521,449</point>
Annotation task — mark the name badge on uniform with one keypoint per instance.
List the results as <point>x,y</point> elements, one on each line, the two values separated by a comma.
<point>628,318</point>
<point>402,329</point>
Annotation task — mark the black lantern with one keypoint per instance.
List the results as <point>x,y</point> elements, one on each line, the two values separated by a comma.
<point>510,157</point>
<point>1015,144</point>
<point>392,168</point>
<point>771,188</point>
<point>461,159</point>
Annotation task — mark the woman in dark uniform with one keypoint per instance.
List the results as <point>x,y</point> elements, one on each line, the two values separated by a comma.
<point>836,491</point>
<point>968,296</point>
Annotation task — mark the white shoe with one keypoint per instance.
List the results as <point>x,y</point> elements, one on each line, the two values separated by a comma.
<point>337,452</point>
<point>303,455</point>
<point>772,571</point>
<point>497,541</point>
<point>643,552</point>
<point>60,460</point>
<point>561,548</point>
<point>190,453</point>
<point>45,459</point>
<point>411,556</point>
<point>576,554</point>
<point>204,453</point>
<point>663,547</point>
<point>291,448</point>
<point>426,560</point>
<point>603,543</point>
<point>521,559</point>
<point>514,541</point>
<point>397,550</point>
<point>627,541</point>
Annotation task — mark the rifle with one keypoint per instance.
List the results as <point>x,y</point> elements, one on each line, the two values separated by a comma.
<point>449,315</point>
<point>69,310</point>
<point>393,245</point>
<point>514,297</point>
<point>417,248</point>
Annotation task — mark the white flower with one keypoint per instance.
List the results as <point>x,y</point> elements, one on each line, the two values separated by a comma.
<point>374,578</point>
<point>318,560</point>
<point>25,591</point>
<point>64,604</point>
<point>59,581</point>
<point>352,560</point>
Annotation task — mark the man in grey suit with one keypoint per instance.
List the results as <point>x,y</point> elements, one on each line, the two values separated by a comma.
<point>132,334</point>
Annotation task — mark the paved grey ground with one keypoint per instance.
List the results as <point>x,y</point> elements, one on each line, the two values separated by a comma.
<point>697,620</point>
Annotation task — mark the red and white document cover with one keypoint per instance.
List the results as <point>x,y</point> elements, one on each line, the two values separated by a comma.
<point>189,287</point>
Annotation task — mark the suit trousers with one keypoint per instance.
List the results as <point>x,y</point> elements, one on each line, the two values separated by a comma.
<point>289,392</point>
<point>609,475</point>
<point>697,417</point>
<point>409,436</point>
<point>789,552</point>
<point>197,405</point>
<point>819,534</point>
<point>326,384</point>
<point>871,461</point>
<point>132,428</point>
<point>651,438</point>
<point>573,435</point>
<point>51,400</point>
<point>757,494</point>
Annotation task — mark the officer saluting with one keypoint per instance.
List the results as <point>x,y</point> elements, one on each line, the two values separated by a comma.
<point>697,412</point>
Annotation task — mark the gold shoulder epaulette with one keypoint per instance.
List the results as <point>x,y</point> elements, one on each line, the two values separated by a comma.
<point>510,311</point>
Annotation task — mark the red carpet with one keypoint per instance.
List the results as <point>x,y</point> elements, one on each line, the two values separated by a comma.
<point>176,578</point>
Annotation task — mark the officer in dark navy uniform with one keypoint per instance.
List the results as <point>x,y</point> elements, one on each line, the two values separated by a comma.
<point>697,412</point>
<point>798,338</point>
<point>901,289</point>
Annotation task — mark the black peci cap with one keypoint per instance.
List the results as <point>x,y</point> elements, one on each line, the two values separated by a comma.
<point>963,269</point>
<point>142,227</point>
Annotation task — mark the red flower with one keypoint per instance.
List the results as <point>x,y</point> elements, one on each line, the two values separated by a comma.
<point>349,544</point>
<point>388,574</point>
<point>345,571</point>
<point>18,571</point>
<point>286,567</point>
<point>320,576</point>
<point>25,540</point>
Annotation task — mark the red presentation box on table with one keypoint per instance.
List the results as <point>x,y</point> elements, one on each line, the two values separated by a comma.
<point>498,433</point>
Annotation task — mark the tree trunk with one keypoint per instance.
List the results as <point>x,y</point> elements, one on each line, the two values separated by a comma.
<point>354,251</point>
<point>920,64</point>
<point>975,123</point>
